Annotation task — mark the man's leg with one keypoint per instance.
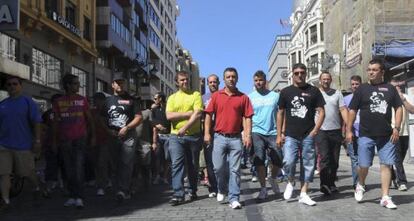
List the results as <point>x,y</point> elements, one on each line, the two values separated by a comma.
<point>325,153</point>
<point>352,149</point>
<point>192,150</point>
<point>259,157</point>
<point>208,151</point>
<point>336,139</point>
<point>290,157</point>
<point>366,152</point>
<point>235,154</point>
<point>220,163</point>
<point>177,157</point>
<point>402,148</point>
<point>125,167</point>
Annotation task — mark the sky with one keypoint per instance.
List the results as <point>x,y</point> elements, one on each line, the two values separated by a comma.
<point>231,33</point>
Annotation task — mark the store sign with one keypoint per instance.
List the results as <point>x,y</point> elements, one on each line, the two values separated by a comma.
<point>353,46</point>
<point>66,24</point>
<point>9,15</point>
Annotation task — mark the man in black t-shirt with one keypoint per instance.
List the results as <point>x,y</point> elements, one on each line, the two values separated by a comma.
<point>375,102</point>
<point>298,104</point>
<point>123,116</point>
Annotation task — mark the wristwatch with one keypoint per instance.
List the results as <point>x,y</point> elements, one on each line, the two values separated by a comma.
<point>397,128</point>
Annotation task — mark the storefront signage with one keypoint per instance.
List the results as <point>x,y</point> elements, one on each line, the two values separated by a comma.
<point>353,46</point>
<point>9,15</point>
<point>65,23</point>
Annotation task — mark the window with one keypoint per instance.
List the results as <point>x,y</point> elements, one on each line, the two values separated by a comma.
<point>313,66</point>
<point>293,58</point>
<point>103,60</point>
<point>82,79</point>
<point>51,6</point>
<point>306,39</point>
<point>155,39</point>
<point>299,56</point>
<point>7,47</point>
<point>101,86</point>
<point>321,30</point>
<point>70,12</point>
<point>86,28</point>
<point>162,87</point>
<point>46,69</point>
<point>313,35</point>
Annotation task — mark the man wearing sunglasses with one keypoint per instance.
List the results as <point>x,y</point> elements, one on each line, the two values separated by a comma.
<point>297,127</point>
<point>18,140</point>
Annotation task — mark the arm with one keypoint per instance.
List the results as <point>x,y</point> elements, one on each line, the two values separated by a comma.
<point>133,124</point>
<point>154,138</point>
<point>36,148</point>
<point>280,123</point>
<point>344,114</point>
<point>409,107</point>
<point>319,121</point>
<point>398,118</point>
<point>207,128</point>
<point>177,116</point>
<point>196,115</point>
<point>247,134</point>
<point>349,124</point>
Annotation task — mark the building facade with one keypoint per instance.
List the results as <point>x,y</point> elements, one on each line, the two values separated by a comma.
<point>307,39</point>
<point>278,63</point>
<point>186,63</point>
<point>55,37</point>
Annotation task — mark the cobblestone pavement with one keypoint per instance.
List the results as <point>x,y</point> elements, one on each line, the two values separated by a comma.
<point>152,204</point>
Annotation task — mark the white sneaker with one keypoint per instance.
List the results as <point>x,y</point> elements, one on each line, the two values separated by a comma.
<point>212,195</point>
<point>100,192</point>
<point>359,192</point>
<point>254,179</point>
<point>79,203</point>
<point>402,187</point>
<point>235,205</point>
<point>220,197</point>
<point>262,194</point>
<point>274,185</point>
<point>288,191</point>
<point>305,199</point>
<point>387,202</point>
<point>70,202</point>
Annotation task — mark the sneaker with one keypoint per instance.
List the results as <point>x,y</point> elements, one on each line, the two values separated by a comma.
<point>387,202</point>
<point>402,187</point>
<point>121,196</point>
<point>100,192</point>
<point>325,190</point>
<point>288,191</point>
<point>305,199</point>
<point>176,201</point>
<point>235,205</point>
<point>254,179</point>
<point>79,203</point>
<point>316,172</point>
<point>262,194</point>
<point>70,202</point>
<point>359,192</point>
<point>220,197</point>
<point>334,189</point>
<point>212,195</point>
<point>274,185</point>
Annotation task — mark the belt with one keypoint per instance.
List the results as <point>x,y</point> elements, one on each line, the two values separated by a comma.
<point>229,135</point>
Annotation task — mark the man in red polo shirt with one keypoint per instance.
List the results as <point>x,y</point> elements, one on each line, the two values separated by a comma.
<point>229,106</point>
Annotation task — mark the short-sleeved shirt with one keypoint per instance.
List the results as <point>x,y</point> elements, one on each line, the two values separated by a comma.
<point>300,104</point>
<point>229,111</point>
<point>70,112</point>
<point>17,116</point>
<point>334,101</point>
<point>265,109</point>
<point>347,101</point>
<point>120,110</point>
<point>159,117</point>
<point>184,102</point>
<point>375,103</point>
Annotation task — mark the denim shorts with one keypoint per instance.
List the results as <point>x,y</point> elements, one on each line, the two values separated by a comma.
<point>263,144</point>
<point>366,151</point>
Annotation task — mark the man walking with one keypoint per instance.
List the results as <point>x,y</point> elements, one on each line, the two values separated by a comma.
<point>123,116</point>
<point>375,102</point>
<point>264,104</point>
<point>352,147</point>
<point>229,106</point>
<point>296,125</point>
<point>19,138</point>
<point>329,139</point>
<point>71,120</point>
<point>184,110</point>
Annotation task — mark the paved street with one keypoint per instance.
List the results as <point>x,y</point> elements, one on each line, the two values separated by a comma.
<point>153,204</point>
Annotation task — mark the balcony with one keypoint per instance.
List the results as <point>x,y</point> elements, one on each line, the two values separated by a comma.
<point>14,68</point>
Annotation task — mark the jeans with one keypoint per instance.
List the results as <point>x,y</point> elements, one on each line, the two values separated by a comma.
<point>228,151</point>
<point>353,155</point>
<point>208,155</point>
<point>329,146</point>
<point>183,150</point>
<point>401,147</point>
<point>291,154</point>
<point>54,164</point>
<point>385,148</point>
<point>73,153</point>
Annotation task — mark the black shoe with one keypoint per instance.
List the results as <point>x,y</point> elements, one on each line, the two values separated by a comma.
<point>325,190</point>
<point>176,201</point>
<point>193,196</point>
<point>334,189</point>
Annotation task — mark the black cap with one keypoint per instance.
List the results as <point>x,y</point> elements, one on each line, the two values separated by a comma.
<point>118,76</point>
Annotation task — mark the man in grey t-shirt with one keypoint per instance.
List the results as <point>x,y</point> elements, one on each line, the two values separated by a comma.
<point>329,139</point>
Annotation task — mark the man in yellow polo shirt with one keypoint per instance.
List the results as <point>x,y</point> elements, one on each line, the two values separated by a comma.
<point>184,109</point>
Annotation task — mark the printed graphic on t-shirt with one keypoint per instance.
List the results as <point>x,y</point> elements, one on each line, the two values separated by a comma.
<point>117,118</point>
<point>299,109</point>
<point>379,104</point>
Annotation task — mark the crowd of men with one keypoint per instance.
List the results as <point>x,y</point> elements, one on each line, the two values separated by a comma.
<point>105,141</point>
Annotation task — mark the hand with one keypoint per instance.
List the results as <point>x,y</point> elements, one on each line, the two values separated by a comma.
<point>181,132</point>
<point>160,127</point>
<point>280,140</point>
<point>154,146</point>
<point>313,133</point>
<point>122,132</point>
<point>349,137</point>
<point>207,139</point>
<point>395,136</point>
<point>247,141</point>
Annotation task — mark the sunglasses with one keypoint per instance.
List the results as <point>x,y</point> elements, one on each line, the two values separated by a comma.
<point>299,73</point>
